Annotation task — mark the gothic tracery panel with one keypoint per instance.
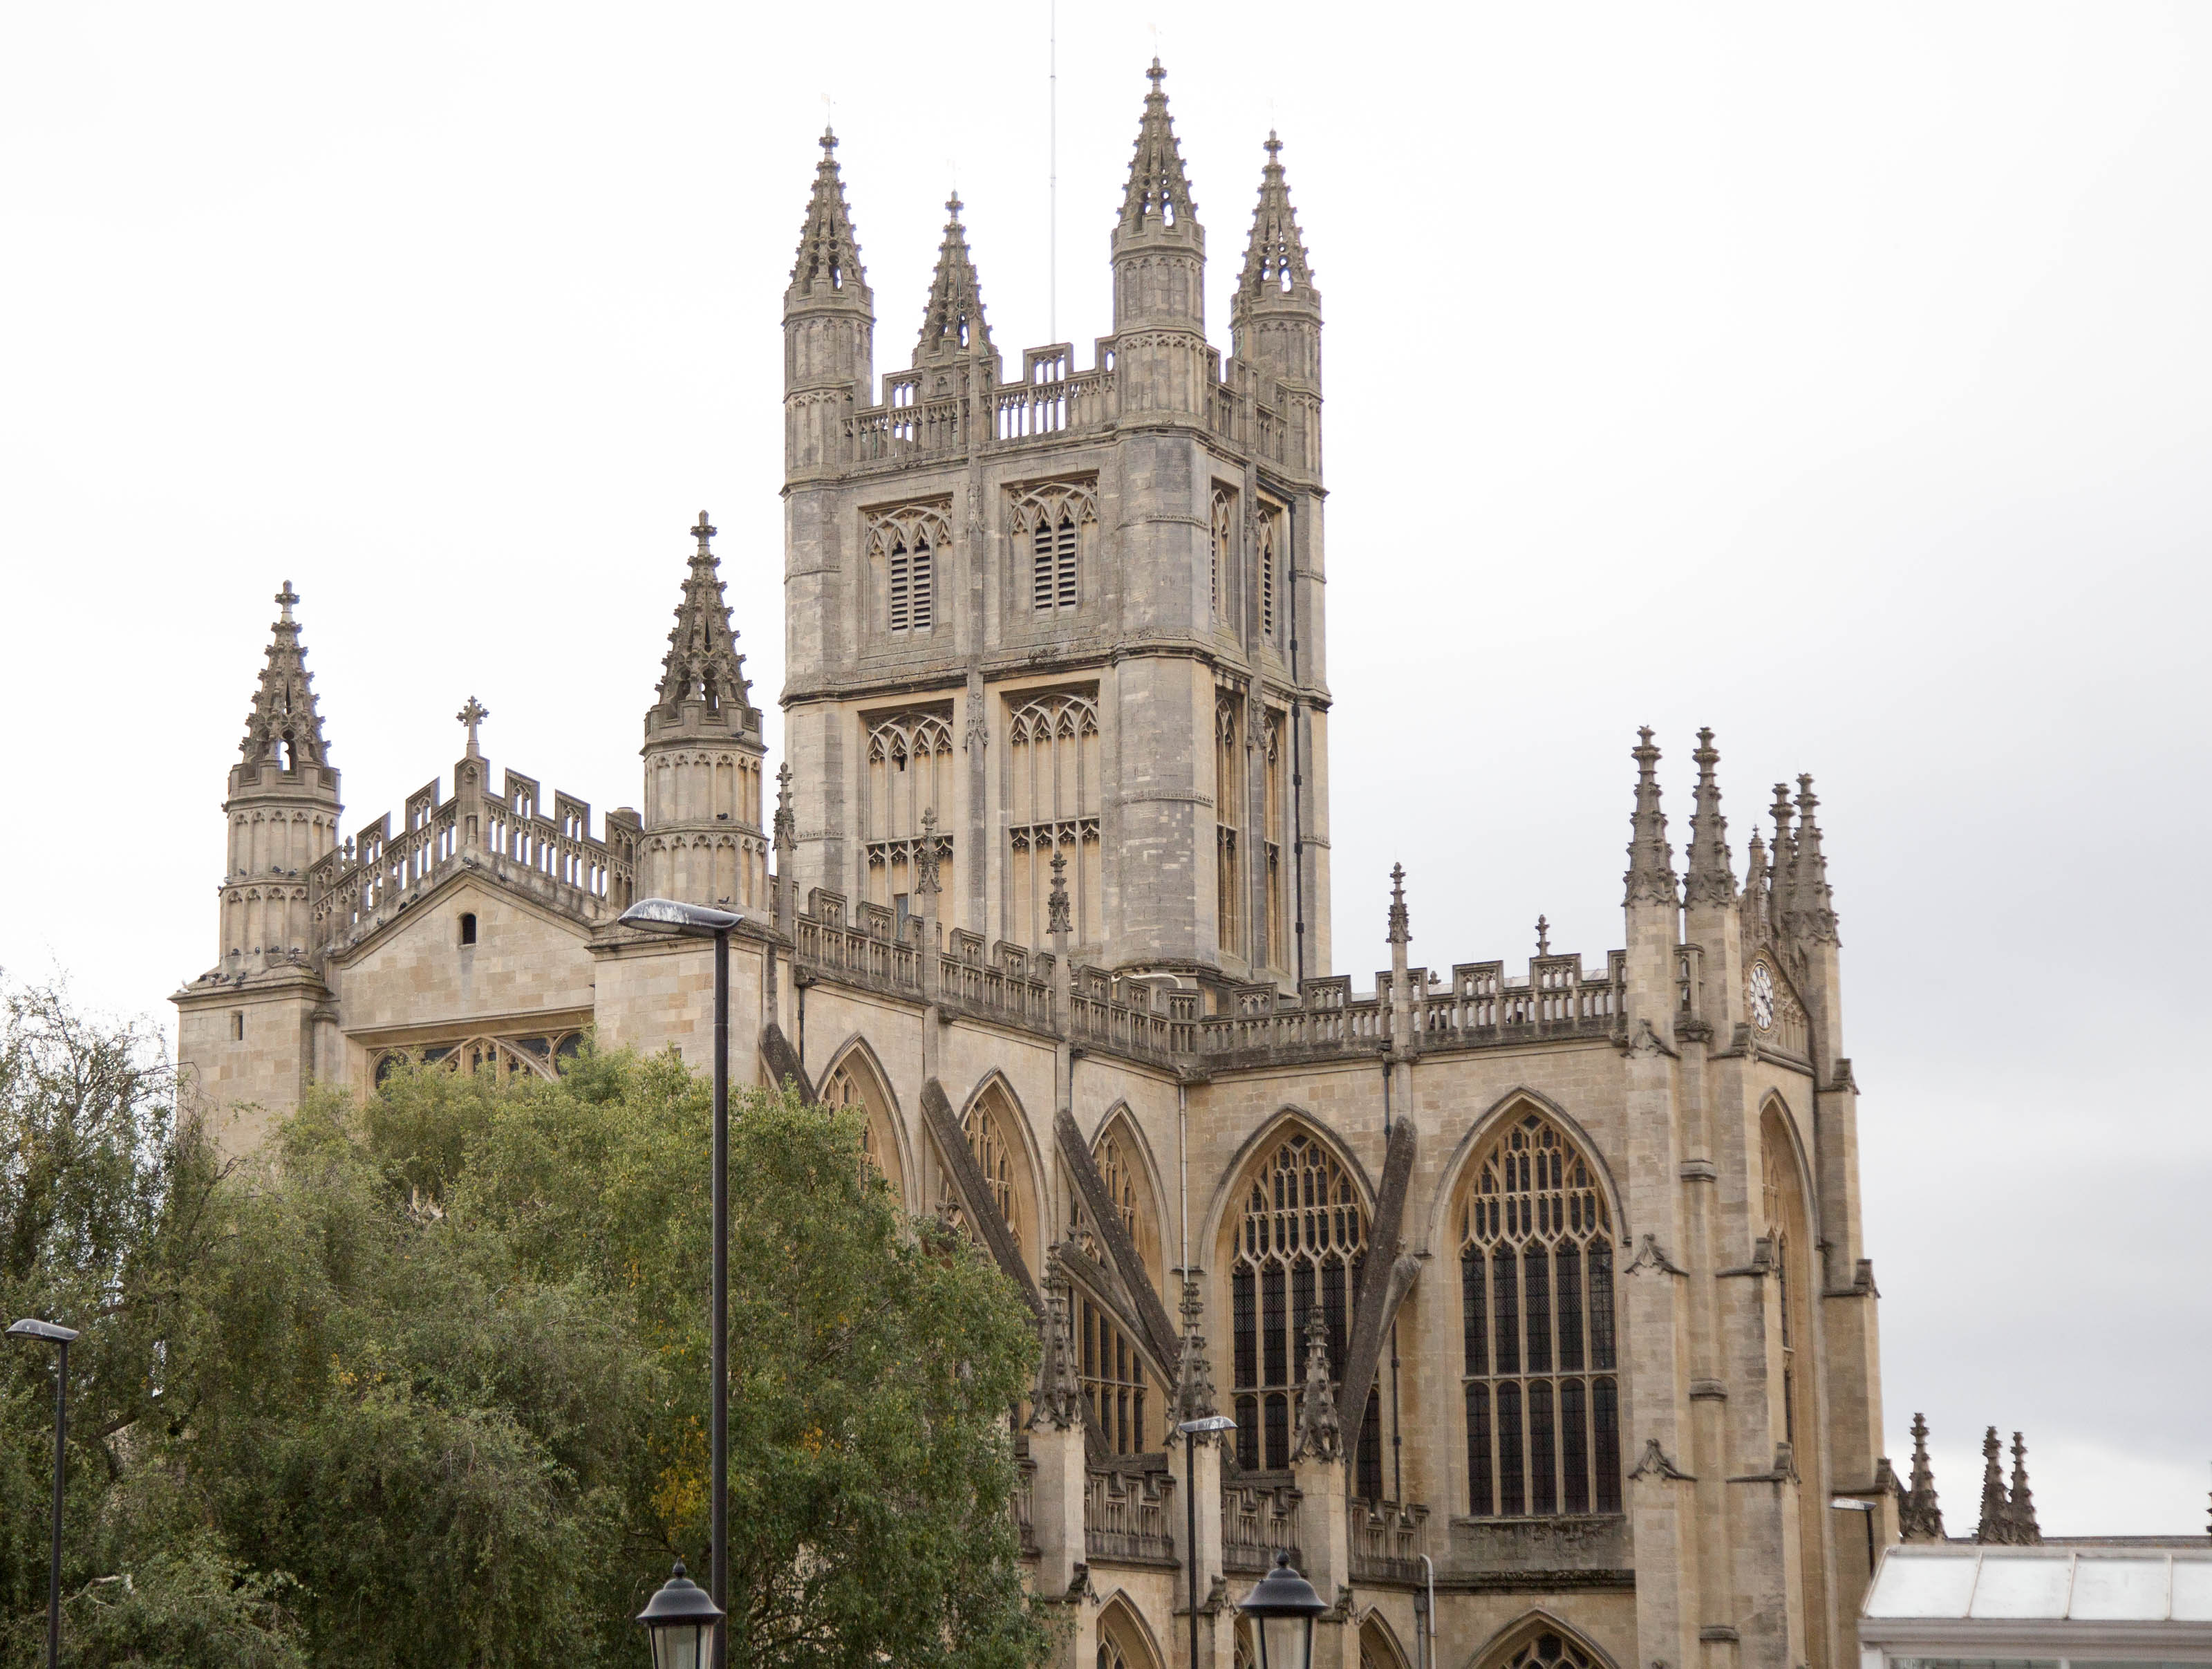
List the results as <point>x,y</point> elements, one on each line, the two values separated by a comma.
<point>1539,1376</point>
<point>1055,529</point>
<point>909,762</point>
<point>902,546</point>
<point>1053,794</point>
<point>852,1082</point>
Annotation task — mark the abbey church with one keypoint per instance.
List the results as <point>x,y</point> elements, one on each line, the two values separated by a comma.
<point>1536,1286</point>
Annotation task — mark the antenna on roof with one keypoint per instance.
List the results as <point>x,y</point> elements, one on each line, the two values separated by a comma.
<point>1051,168</point>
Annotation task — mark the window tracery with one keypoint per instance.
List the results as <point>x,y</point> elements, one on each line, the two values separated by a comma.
<point>1221,558</point>
<point>1536,1286</point>
<point>904,543</point>
<point>994,1143</point>
<point>1228,818</point>
<point>1054,524</point>
<point>1127,1401</point>
<point>1547,1649</point>
<point>909,758</point>
<point>851,1084</point>
<point>539,1054</point>
<point>1301,1241</point>
<point>1053,807</point>
<point>1267,533</point>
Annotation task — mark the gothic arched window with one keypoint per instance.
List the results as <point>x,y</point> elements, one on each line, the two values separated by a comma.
<point>994,1142</point>
<point>904,543</point>
<point>1267,526</point>
<point>1051,808</point>
<point>1547,1649</point>
<point>1228,818</point>
<point>1125,1398</point>
<point>1054,522</point>
<point>1543,1401</point>
<point>853,1083</point>
<point>1301,1241</point>
<point>1222,556</point>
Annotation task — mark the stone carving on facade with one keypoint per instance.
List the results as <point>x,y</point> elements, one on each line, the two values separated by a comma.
<point>1321,1434</point>
<point>1656,1464</point>
<point>1059,1400</point>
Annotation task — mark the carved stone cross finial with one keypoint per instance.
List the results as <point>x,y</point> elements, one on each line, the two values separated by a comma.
<point>1155,75</point>
<point>286,598</point>
<point>1543,936</point>
<point>705,530</point>
<point>472,715</point>
<point>1400,924</point>
<point>829,139</point>
<point>952,205</point>
<point>1274,147</point>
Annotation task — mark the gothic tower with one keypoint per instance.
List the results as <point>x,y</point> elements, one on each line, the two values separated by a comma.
<point>702,840</point>
<point>1072,615</point>
<point>248,1022</point>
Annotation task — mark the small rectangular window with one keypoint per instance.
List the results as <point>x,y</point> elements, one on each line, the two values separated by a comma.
<point>1052,565</point>
<point>469,929</point>
<point>238,1027</point>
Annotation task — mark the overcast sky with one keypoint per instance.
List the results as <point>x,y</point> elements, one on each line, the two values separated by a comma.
<point>1837,377</point>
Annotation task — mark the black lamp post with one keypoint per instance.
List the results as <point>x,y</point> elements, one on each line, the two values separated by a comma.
<point>700,922</point>
<point>1282,1607</point>
<point>679,1623</point>
<point>1190,1430</point>
<point>61,1335</point>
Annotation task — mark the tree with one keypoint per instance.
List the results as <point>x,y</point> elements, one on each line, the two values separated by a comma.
<point>426,1384</point>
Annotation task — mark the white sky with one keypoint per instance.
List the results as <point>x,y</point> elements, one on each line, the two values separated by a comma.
<point>1837,377</point>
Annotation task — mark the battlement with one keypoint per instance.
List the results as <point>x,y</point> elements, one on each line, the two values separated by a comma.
<point>1049,400</point>
<point>365,882</point>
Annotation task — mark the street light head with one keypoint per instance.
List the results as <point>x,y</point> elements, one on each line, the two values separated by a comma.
<point>679,1623</point>
<point>30,1328</point>
<point>673,916</point>
<point>1282,1606</point>
<point>1212,1423</point>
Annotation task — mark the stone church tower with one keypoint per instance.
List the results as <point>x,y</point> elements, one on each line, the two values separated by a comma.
<point>1073,614</point>
<point>1544,1277</point>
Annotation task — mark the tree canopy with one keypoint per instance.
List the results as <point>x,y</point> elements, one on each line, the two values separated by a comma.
<point>426,1382</point>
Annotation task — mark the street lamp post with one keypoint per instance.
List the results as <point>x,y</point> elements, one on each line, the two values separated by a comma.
<point>61,1335</point>
<point>679,1621</point>
<point>700,922</point>
<point>1190,1430</point>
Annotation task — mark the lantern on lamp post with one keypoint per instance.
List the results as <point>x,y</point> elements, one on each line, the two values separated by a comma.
<point>1282,1607</point>
<point>679,1623</point>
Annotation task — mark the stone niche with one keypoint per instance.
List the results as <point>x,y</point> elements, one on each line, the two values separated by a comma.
<point>1595,1544</point>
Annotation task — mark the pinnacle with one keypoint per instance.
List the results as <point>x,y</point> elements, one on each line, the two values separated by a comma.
<point>1275,258</point>
<point>1711,877</point>
<point>829,263</point>
<point>952,323</point>
<point>1650,860</point>
<point>1811,909</point>
<point>1919,1518</point>
<point>702,664</point>
<point>1158,195</point>
<point>282,723</point>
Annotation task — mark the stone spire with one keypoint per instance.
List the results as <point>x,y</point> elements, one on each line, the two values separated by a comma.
<point>2019,1510</point>
<point>1194,1391</point>
<point>1812,911</point>
<point>1919,1519</point>
<point>1650,860</point>
<point>1157,198</point>
<point>828,263</point>
<point>1711,871</point>
<point>1275,269</point>
<point>1059,1400</point>
<point>282,726</point>
<point>1320,1433</point>
<point>703,665</point>
<point>953,326</point>
<point>1996,1508</point>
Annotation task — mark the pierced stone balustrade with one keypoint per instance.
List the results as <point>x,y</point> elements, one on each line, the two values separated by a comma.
<point>1125,1514</point>
<point>1387,1538</point>
<point>1259,1520</point>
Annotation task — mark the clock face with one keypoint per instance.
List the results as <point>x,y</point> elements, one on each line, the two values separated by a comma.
<point>1759,987</point>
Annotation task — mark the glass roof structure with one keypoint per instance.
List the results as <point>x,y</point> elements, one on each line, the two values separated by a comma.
<point>1933,1606</point>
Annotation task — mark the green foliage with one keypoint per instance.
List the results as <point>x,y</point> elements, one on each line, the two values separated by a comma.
<point>426,1384</point>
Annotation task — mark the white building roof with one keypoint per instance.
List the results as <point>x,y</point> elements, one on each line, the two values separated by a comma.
<point>1952,1595</point>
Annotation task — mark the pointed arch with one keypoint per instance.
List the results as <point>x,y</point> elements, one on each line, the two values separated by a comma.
<point>1005,1148</point>
<point>1125,1160</point>
<point>1537,1243</point>
<point>1226,1197</point>
<point>1484,1131</point>
<point>1525,1638</point>
<point>1291,1238</point>
<point>855,1077</point>
<point>1378,1644</point>
<point>1124,1640</point>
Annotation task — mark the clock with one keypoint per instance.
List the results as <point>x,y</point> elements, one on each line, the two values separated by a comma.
<point>1758,988</point>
